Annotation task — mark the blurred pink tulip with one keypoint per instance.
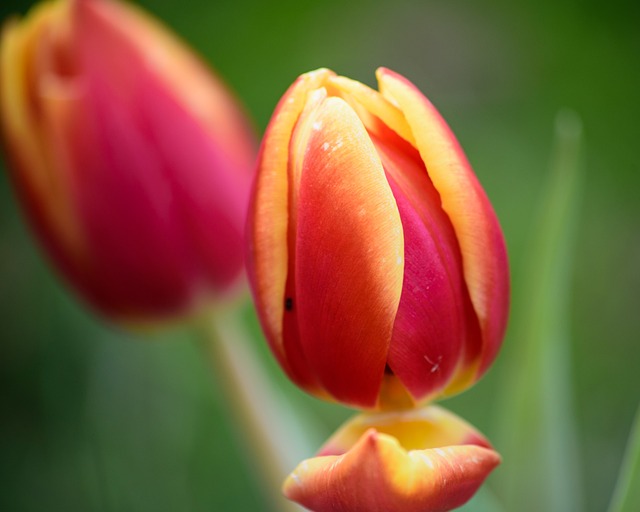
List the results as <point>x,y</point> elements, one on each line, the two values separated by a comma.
<point>378,265</point>
<point>131,159</point>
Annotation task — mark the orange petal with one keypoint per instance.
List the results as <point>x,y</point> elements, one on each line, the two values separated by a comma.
<point>463,199</point>
<point>349,256</point>
<point>378,475</point>
<point>40,181</point>
<point>267,258</point>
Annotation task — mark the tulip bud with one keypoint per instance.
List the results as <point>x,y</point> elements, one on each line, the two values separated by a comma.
<point>131,160</point>
<point>422,460</point>
<point>377,263</point>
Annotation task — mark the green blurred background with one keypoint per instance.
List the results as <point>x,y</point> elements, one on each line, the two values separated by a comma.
<point>93,419</point>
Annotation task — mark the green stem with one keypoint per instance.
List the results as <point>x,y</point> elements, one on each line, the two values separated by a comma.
<point>265,422</point>
<point>626,496</point>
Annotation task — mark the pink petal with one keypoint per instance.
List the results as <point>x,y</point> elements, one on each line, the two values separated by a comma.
<point>430,329</point>
<point>463,199</point>
<point>182,73</point>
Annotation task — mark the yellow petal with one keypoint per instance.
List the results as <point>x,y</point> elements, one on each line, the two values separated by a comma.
<point>31,104</point>
<point>268,219</point>
<point>427,427</point>
<point>373,103</point>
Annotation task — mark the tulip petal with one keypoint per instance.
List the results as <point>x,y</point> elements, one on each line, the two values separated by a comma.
<point>349,247</point>
<point>139,262</point>
<point>426,427</point>
<point>187,78</point>
<point>431,325</point>
<point>463,199</point>
<point>210,194</point>
<point>370,106</point>
<point>128,156</point>
<point>41,184</point>
<point>378,475</point>
<point>267,225</point>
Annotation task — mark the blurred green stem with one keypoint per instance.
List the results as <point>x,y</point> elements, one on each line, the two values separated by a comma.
<point>262,420</point>
<point>626,496</point>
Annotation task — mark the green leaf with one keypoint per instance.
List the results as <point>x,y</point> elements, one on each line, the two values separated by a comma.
<point>626,496</point>
<point>537,435</point>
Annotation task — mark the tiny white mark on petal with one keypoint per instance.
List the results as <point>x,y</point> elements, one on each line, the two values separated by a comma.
<point>317,125</point>
<point>435,366</point>
<point>325,146</point>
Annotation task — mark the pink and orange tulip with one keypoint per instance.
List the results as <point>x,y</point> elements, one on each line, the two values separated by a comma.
<point>377,263</point>
<point>131,159</point>
<point>421,460</point>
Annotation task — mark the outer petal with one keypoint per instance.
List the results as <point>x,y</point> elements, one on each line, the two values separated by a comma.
<point>378,475</point>
<point>267,257</point>
<point>193,185</point>
<point>127,140</point>
<point>41,183</point>
<point>203,95</point>
<point>349,256</point>
<point>481,241</point>
<point>137,262</point>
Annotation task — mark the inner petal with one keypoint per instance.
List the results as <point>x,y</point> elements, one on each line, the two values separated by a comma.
<point>433,323</point>
<point>349,256</point>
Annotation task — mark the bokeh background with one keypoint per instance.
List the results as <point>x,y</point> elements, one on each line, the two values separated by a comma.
<point>93,419</point>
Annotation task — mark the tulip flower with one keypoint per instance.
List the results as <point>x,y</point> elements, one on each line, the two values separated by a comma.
<point>132,161</point>
<point>421,460</point>
<point>377,264</point>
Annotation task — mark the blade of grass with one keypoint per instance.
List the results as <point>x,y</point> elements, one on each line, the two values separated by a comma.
<point>626,496</point>
<point>536,433</point>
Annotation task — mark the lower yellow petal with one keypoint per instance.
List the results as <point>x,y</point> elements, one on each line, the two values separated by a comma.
<point>415,429</point>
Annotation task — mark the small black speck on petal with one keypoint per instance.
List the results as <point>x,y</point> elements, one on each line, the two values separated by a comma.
<point>288,303</point>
